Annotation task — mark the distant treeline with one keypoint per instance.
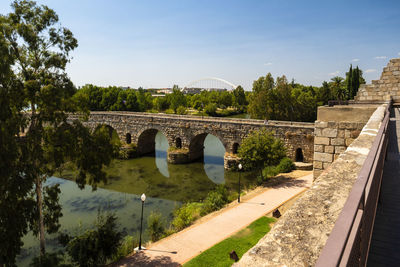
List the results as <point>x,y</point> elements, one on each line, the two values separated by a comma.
<point>272,99</point>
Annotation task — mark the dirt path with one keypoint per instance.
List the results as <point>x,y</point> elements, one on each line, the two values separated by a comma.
<point>208,231</point>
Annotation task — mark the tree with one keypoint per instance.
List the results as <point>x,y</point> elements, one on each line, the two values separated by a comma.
<point>349,82</point>
<point>239,98</point>
<point>338,88</point>
<point>37,94</point>
<point>176,98</point>
<point>262,99</point>
<point>261,149</point>
<point>95,246</point>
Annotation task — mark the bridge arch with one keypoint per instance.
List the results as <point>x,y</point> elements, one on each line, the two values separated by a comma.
<point>196,145</point>
<point>146,140</point>
<point>211,83</point>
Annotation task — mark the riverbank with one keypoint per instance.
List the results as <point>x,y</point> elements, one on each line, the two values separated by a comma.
<point>180,247</point>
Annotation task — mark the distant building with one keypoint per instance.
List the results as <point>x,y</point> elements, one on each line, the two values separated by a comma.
<point>164,91</point>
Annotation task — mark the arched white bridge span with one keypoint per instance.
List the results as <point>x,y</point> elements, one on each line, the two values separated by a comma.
<point>210,83</point>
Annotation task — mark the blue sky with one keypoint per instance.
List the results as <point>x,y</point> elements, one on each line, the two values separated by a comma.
<point>153,43</point>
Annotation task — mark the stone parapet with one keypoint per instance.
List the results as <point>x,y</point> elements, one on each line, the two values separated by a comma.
<point>300,234</point>
<point>335,129</point>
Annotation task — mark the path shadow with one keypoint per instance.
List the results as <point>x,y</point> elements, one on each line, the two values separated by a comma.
<point>142,260</point>
<point>283,181</point>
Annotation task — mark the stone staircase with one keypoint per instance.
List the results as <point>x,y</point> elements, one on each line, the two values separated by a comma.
<point>387,86</point>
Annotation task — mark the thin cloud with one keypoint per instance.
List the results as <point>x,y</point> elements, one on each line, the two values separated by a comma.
<point>381,57</point>
<point>336,73</point>
<point>268,64</point>
<point>355,60</point>
<point>370,70</point>
<point>398,53</point>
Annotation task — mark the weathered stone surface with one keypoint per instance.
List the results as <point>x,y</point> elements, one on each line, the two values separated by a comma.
<point>329,132</point>
<point>318,148</point>
<point>329,149</point>
<point>324,157</point>
<point>337,141</point>
<point>318,140</point>
<point>300,234</point>
<point>387,86</point>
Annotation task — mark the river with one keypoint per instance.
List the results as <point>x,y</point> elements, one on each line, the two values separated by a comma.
<point>166,186</point>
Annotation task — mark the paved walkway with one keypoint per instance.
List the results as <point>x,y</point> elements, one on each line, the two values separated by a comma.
<point>183,246</point>
<point>385,245</point>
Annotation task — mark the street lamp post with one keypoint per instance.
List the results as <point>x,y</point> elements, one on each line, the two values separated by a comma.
<point>143,198</point>
<point>240,170</point>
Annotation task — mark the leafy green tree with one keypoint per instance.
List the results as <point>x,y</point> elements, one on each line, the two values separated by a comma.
<point>261,149</point>
<point>97,245</point>
<point>33,68</point>
<point>261,104</point>
<point>176,98</point>
<point>211,109</point>
<point>338,88</point>
<point>239,98</point>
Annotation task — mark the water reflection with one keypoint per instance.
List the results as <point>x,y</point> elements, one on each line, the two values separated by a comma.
<point>161,154</point>
<point>214,152</point>
<point>166,185</point>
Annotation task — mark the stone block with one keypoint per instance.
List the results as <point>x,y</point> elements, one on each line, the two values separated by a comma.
<point>318,140</point>
<point>326,165</point>
<point>329,149</point>
<point>318,131</point>
<point>340,133</point>
<point>318,148</point>
<point>349,141</point>
<point>329,132</point>
<point>340,149</point>
<point>317,164</point>
<point>337,141</point>
<point>321,124</point>
<point>324,157</point>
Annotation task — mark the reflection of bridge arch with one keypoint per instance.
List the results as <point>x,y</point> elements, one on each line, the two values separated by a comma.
<point>146,140</point>
<point>196,145</point>
<point>211,83</point>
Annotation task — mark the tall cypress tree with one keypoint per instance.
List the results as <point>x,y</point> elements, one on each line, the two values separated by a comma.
<point>356,81</point>
<point>349,81</point>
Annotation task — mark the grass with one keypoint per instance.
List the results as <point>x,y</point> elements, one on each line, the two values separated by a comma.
<point>242,241</point>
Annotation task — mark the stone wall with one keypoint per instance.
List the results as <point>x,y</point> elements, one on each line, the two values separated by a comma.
<point>191,130</point>
<point>335,129</point>
<point>387,86</point>
<point>300,234</point>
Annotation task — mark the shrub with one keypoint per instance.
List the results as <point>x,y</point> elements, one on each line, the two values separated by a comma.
<point>127,246</point>
<point>215,200</point>
<point>181,110</point>
<point>286,165</point>
<point>155,226</point>
<point>261,149</point>
<point>55,259</point>
<point>185,215</point>
<point>270,171</point>
<point>211,109</point>
<point>95,246</point>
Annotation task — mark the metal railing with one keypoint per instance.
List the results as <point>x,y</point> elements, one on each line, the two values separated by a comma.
<point>350,239</point>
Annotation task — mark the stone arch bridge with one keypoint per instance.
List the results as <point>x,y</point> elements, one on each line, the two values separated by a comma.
<point>187,133</point>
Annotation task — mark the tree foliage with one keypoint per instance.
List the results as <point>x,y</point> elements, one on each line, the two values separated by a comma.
<point>261,149</point>
<point>36,95</point>
<point>95,246</point>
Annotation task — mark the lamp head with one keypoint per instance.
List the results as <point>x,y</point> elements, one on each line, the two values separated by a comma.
<point>240,166</point>
<point>143,197</point>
